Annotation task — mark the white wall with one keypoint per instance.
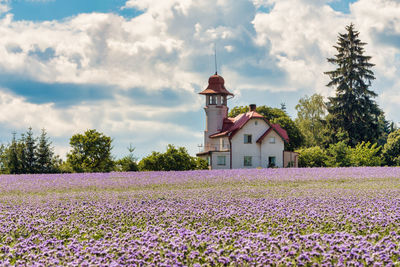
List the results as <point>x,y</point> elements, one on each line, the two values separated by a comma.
<point>272,150</point>
<point>240,149</point>
<point>214,162</point>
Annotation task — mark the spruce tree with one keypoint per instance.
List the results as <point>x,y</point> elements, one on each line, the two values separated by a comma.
<point>45,154</point>
<point>353,109</point>
<point>13,164</point>
<point>30,152</point>
<point>21,154</point>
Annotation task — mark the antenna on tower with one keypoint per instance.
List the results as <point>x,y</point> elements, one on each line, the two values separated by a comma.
<point>215,58</point>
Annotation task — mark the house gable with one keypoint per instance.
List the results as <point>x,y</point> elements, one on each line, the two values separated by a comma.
<point>240,149</point>
<point>278,130</point>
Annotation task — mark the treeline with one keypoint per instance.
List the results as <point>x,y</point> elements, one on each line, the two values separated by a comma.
<point>90,152</point>
<point>326,145</point>
<point>29,154</point>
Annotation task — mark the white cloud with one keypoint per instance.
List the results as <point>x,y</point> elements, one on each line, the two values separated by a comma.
<point>4,6</point>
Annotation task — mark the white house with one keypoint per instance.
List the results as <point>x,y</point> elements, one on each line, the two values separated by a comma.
<point>247,141</point>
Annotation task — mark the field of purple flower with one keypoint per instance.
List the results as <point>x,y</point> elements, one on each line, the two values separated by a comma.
<point>338,216</point>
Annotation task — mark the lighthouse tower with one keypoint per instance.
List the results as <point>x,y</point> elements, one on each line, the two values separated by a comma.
<point>216,108</point>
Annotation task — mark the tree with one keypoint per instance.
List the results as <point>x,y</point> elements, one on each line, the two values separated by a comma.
<point>3,159</point>
<point>276,115</point>
<point>47,162</point>
<point>391,150</point>
<point>385,127</point>
<point>311,112</point>
<point>91,152</point>
<point>174,159</point>
<point>201,164</point>
<point>338,155</point>
<point>283,107</point>
<point>127,163</point>
<point>12,162</point>
<point>29,160</point>
<point>366,154</point>
<point>312,157</point>
<point>21,154</point>
<point>152,162</point>
<point>353,109</point>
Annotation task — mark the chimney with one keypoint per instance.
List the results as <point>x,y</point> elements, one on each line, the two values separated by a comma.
<point>253,107</point>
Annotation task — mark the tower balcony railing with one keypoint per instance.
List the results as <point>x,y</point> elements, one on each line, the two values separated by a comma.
<point>214,147</point>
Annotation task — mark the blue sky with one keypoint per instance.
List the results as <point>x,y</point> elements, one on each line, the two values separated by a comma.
<point>132,68</point>
<point>37,10</point>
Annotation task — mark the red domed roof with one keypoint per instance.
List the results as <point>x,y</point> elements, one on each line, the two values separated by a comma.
<point>216,85</point>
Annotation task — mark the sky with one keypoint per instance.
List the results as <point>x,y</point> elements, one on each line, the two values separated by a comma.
<point>132,69</point>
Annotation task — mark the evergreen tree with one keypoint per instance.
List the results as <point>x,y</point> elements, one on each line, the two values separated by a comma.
<point>127,163</point>
<point>30,152</point>
<point>45,155</point>
<point>21,153</point>
<point>353,108</point>
<point>3,159</point>
<point>13,163</point>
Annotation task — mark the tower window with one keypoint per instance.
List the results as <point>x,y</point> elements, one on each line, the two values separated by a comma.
<point>213,100</point>
<point>247,138</point>
<point>224,100</point>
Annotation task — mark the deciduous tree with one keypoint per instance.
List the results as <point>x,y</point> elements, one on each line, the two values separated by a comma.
<point>174,159</point>
<point>91,152</point>
<point>311,112</point>
<point>391,150</point>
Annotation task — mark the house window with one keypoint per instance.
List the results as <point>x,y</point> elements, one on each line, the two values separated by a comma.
<point>247,161</point>
<point>272,140</point>
<point>256,123</point>
<point>213,100</point>
<point>247,138</point>
<point>221,160</point>
<point>271,162</point>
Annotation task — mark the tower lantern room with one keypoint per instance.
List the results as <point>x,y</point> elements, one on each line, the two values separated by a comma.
<point>216,106</point>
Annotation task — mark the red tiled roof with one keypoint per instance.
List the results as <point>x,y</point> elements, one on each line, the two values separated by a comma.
<point>232,125</point>
<point>278,129</point>
<point>216,85</point>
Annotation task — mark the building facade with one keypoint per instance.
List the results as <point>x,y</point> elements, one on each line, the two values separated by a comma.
<point>247,141</point>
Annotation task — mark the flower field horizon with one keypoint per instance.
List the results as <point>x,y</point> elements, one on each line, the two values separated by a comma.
<point>254,217</point>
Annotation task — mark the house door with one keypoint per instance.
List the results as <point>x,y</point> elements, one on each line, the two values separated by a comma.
<point>271,162</point>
